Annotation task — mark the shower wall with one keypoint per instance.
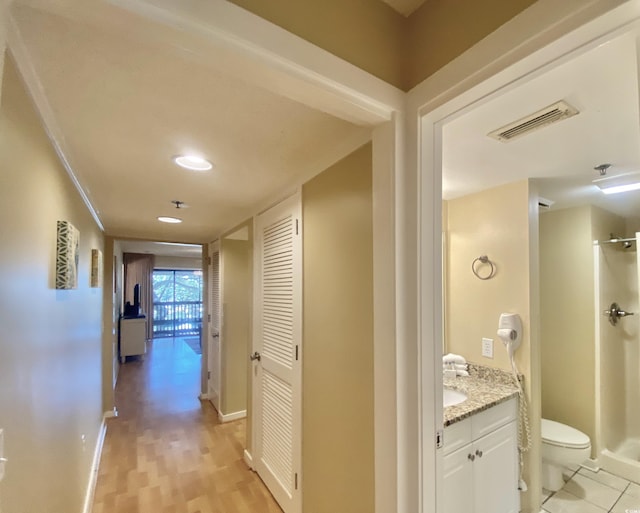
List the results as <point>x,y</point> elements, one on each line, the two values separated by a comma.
<point>619,353</point>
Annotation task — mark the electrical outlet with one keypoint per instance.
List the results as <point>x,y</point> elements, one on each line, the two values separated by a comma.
<point>487,347</point>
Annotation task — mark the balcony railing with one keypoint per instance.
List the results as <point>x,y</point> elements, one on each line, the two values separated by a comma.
<point>177,319</point>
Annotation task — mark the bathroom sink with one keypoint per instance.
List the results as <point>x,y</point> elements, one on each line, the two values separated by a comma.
<point>452,397</point>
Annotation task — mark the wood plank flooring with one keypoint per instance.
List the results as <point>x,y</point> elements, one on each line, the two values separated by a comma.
<point>166,452</point>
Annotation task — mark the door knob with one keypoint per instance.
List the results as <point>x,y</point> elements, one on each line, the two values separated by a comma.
<point>471,456</point>
<point>479,453</point>
<point>255,356</point>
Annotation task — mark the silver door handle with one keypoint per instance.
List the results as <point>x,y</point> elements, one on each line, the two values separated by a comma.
<point>255,356</point>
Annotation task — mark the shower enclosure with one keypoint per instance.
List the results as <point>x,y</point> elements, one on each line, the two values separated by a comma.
<point>618,356</point>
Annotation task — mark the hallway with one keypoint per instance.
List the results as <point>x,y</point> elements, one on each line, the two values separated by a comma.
<point>166,452</point>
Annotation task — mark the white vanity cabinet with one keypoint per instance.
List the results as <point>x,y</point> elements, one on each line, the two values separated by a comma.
<point>481,463</point>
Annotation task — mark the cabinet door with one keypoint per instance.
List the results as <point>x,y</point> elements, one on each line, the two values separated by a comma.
<point>496,472</point>
<point>457,482</point>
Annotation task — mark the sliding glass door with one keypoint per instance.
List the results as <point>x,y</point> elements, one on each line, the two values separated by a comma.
<point>177,303</point>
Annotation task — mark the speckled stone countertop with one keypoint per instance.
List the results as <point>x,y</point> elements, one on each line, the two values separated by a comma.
<point>485,387</point>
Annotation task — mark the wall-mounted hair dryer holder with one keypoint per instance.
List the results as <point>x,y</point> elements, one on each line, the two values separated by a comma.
<point>510,331</point>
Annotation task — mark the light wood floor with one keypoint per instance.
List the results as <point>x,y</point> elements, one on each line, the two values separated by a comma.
<point>167,452</point>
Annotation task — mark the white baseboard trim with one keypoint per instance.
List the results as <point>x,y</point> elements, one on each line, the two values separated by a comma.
<point>228,417</point>
<point>248,459</point>
<point>204,397</point>
<point>95,464</point>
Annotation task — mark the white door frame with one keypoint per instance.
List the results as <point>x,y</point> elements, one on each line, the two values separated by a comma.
<point>212,247</point>
<point>442,98</point>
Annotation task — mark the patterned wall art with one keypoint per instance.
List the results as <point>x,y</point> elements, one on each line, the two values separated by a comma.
<point>96,268</point>
<point>67,255</point>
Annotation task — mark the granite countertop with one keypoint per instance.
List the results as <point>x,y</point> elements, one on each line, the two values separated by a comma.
<point>485,387</point>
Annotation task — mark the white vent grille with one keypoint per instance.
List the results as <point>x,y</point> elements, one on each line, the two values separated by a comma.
<point>551,114</point>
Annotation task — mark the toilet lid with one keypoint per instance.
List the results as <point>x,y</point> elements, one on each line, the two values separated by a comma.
<point>561,435</point>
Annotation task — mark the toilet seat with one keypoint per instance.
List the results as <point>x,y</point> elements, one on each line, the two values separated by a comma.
<point>561,435</point>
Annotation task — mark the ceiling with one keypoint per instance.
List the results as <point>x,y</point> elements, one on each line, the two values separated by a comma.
<point>603,85</point>
<point>124,94</point>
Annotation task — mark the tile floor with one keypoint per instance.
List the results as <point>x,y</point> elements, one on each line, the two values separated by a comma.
<point>594,492</point>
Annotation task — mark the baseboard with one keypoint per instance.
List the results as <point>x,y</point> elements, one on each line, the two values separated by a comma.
<point>228,417</point>
<point>204,397</point>
<point>95,464</point>
<point>248,459</point>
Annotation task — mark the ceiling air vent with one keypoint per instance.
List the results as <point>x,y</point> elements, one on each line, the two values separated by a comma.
<point>551,114</point>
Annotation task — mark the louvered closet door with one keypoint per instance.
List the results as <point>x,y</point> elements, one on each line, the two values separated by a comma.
<point>277,336</point>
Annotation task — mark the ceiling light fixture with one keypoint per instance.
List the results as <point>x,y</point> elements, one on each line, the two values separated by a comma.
<point>172,220</point>
<point>622,188</point>
<point>193,162</point>
<point>615,184</point>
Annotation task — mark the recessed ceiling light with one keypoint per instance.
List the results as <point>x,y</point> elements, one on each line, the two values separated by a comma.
<point>193,162</point>
<point>164,219</point>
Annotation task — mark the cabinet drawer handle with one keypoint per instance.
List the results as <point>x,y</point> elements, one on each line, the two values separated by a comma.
<point>479,453</point>
<point>471,456</point>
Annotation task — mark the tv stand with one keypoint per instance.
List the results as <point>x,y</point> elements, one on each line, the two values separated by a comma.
<point>133,337</point>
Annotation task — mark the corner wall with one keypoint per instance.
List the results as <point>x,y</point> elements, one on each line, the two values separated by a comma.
<point>50,343</point>
<point>337,411</point>
<point>235,341</point>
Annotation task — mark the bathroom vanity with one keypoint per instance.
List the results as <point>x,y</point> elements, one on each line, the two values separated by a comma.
<point>481,447</point>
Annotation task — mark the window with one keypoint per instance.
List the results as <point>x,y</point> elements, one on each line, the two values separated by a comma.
<point>177,303</point>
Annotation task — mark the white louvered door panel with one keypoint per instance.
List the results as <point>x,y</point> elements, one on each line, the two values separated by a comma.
<point>277,337</point>
<point>214,327</point>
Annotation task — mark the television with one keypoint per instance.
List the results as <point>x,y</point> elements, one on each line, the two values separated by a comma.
<point>133,310</point>
<point>136,297</point>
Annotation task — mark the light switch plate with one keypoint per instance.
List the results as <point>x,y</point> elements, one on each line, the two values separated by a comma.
<point>487,347</point>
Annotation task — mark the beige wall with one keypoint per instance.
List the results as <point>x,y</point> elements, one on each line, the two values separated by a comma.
<point>494,223</point>
<point>369,34</point>
<point>165,262</point>
<point>50,343</point>
<point>365,33</point>
<point>441,30</point>
<point>337,417</point>
<point>236,283</point>
<point>567,308</point>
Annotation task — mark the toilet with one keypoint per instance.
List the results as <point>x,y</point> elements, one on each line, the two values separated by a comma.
<point>562,446</point>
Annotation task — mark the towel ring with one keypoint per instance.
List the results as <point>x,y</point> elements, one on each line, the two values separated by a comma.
<point>483,259</point>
